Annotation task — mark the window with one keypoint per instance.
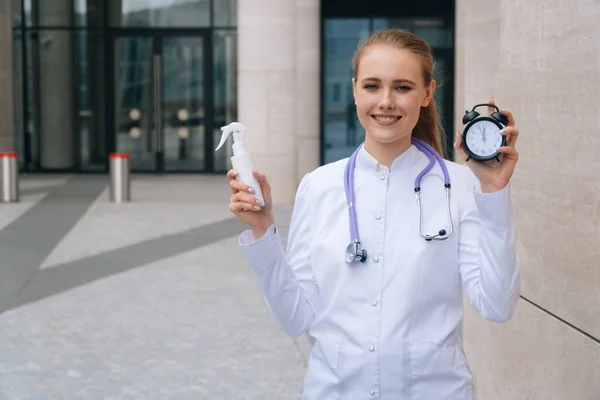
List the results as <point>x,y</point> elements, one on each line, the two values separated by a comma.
<point>341,131</point>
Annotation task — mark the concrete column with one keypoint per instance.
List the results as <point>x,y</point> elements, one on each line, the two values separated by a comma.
<point>57,108</point>
<point>278,88</point>
<point>6,78</point>
<point>308,63</point>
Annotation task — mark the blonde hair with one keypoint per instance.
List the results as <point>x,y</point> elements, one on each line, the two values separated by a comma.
<point>428,127</point>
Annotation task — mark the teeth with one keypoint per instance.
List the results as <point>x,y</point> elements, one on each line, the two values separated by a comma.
<point>385,119</point>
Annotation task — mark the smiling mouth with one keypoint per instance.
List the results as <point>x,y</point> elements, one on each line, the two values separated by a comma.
<point>386,119</point>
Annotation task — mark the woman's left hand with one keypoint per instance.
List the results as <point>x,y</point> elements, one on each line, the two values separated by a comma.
<point>494,176</point>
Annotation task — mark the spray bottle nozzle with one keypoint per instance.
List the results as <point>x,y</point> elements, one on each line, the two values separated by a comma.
<point>236,129</point>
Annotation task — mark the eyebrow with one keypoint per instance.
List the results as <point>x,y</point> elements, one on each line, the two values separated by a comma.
<point>395,80</point>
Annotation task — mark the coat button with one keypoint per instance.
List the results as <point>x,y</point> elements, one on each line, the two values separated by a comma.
<point>382,177</point>
<point>372,392</point>
<point>378,217</point>
<point>374,303</point>
<point>371,348</point>
<point>376,259</point>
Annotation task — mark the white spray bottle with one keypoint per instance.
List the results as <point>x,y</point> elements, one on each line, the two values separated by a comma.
<point>241,160</point>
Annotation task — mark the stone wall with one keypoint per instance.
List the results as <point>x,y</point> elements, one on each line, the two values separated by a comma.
<point>541,60</point>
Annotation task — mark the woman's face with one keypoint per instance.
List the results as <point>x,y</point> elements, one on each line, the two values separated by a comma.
<point>389,91</point>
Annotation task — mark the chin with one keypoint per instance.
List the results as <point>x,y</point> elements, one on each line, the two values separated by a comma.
<point>388,137</point>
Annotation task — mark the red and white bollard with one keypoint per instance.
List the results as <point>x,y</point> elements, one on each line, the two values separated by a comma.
<point>9,175</point>
<point>120,185</point>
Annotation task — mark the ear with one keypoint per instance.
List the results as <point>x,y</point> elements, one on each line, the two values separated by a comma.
<point>429,93</point>
<point>354,88</point>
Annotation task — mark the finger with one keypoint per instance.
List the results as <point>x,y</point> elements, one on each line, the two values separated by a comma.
<point>265,186</point>
<point>491,109</point>
<point>508,114</point>
<point>232,175</point>
<point>237,186</point>
<point>241,197</point>
<point>238,207</point>
<point>512,134</point>
<point>509,152</point>
<point>458,140</point>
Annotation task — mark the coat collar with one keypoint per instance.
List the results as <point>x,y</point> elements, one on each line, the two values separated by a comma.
<point>367,162</point>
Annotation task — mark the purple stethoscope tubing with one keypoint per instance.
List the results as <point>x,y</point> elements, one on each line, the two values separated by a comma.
<point>353,252</point>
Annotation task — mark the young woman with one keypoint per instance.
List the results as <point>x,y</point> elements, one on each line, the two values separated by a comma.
<point>387,325</point>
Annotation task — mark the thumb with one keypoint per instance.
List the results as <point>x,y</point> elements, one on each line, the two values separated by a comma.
<point>491,109</point>
<point>458,146</point>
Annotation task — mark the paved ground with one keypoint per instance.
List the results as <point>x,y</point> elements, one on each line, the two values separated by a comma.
<point>147,300</point>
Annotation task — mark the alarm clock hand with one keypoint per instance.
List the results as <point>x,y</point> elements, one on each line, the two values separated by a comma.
<point>494,176</point>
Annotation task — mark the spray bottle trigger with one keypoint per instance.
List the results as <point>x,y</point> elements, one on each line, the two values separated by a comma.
<point>236,128</point>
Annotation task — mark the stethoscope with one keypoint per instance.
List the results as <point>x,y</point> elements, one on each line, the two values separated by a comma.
<point>353,251</point>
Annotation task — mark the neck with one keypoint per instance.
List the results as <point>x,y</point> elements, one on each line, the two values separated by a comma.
<point>386,153</point>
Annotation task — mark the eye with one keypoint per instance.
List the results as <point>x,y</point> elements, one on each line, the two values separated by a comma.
<point>370,86</point>
<point>403,88</point>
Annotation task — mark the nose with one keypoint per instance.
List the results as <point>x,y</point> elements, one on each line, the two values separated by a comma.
<point>387,101</point>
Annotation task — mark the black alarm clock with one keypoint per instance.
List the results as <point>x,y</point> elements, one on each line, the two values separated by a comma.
<point>481,137</point>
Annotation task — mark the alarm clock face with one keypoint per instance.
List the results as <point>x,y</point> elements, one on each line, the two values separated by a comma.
<point>483,138</point>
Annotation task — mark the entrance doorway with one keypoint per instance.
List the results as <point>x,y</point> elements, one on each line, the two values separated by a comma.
<point>160,100</point>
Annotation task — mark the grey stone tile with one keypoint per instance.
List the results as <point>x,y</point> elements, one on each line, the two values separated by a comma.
<point>192,326</point>
<point>27,241</point>
<point>179,316</point>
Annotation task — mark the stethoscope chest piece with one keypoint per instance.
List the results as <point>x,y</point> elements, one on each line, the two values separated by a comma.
<point>353,253</point>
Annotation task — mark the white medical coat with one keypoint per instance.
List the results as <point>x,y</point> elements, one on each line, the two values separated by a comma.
<point>389,328</point>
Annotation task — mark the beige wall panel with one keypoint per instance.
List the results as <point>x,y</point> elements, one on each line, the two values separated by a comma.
<point>282,112</point>
<point>541,60</point>
<point>534,356</point>
<point>281,176</point>
<point>308,83</point>
<point>308,155</point>
<point>253,100</point>
<point>459,64</point>
<point>559,250</point>
<point>266,35</point>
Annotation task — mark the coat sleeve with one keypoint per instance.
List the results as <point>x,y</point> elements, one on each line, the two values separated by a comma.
<point>487,256</point>
<point>286,280</point>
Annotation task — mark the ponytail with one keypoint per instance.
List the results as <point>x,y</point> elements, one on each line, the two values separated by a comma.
<point>429,126</point>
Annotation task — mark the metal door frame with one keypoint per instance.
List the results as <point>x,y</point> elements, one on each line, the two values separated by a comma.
<point>156,35</point>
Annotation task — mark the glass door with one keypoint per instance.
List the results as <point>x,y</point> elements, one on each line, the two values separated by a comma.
<point>134,114</point>
<point>160,102</point>
<point>183,103</point>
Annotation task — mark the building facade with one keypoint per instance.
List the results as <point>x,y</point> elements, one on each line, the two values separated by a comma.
<point>152,79</point>
<point>157,79</point>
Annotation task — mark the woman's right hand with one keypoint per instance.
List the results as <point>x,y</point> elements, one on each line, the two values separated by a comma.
<point>246,207</point>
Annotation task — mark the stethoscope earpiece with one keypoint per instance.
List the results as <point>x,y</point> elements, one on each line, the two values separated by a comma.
<point>442,232</point>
